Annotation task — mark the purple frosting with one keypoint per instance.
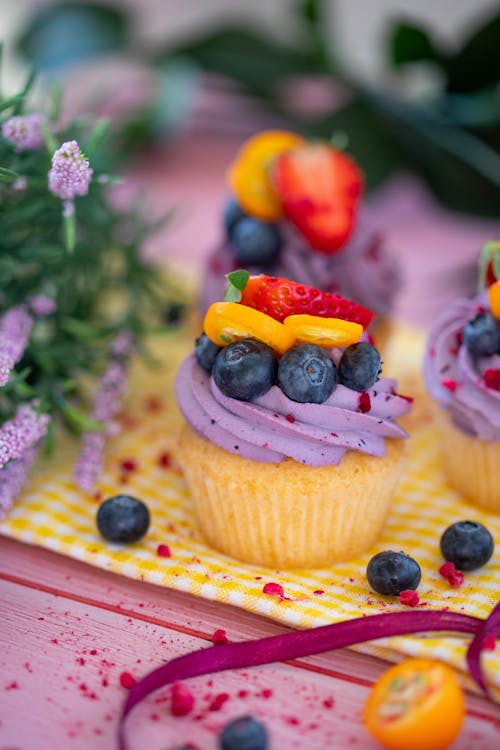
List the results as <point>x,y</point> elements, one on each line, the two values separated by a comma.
<point>273,427</point>
<point>361,271</point>
<point>473,407</point>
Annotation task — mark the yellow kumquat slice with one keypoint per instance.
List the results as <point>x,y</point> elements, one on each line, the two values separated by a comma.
<point>328,332</point>
<point>494,299</point>
<point>226,322</point>
<point>248,175</point>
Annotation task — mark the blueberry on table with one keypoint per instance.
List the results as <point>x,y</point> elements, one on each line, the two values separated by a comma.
<point>245,733</point>
<point>233,213</point>
<point>245,369</point>
<point>307,374</point>
<point>392,572</point>
<point>123,518</point>
<point>205,351</point>
<point>481,335</point>
<point>359,366</point>
<point>467,544</point>
<point>256,242</point>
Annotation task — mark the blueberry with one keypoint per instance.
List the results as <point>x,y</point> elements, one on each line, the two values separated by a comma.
<point>245,369</point>
<point>245,733</point>
<point>205,351</point>
<point>233,213</point>
<point>481,335</point>
<point>307,374</point>
<point>123,518</point>
<point>393,572</point>
<point>255,242</point>
<point>359,366</point>
<point>467,544</point>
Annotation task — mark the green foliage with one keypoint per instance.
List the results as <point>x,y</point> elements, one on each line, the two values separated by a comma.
<point>101,288</point>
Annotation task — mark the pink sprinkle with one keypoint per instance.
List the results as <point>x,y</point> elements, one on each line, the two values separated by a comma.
<point>274,589</point>
<point>328,703</point>
<point>163,550</point>
<point>266,693</point>
<point>127,680</point>
<point>12,686</point>
<point>492,379</point>
<point>409,597</point>
<point>410,399</point>
<point>242,693</point>
<point>182,700</point>
<point>489,643</point>
<point>365,403</point>
<point>218,702</point>
<point>290,418</point>
<point>450,384</point>
<point>219,637</point>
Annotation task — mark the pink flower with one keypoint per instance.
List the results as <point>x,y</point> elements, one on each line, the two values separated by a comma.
<point>41,306</point>
<point>70,174</point>
<point>12,478</point>
<point>23,131</point>
<point>21,432</point>
<point>15,328</point>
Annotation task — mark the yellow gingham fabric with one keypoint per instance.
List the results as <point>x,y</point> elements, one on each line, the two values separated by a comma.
<point>53,513</point>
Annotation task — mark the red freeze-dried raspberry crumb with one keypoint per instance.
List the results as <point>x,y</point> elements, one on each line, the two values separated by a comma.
<point>127,680</point>
<point>409,597</point>
<point>290,418</point>
<point>450,384</point>
<point>492,379</point>
<point>219,637</point>
<point>274,589</point>
<point>128,465</point>
<point>489,643</point>
<point>182,700</point>
<point>454,577</point>
<point>410,399</point>
<point>218,702</point>
<point>163,550</point>
<point>364,404</point>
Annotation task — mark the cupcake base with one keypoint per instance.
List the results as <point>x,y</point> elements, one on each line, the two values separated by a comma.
<point>471,464</point>
<point>288,515</point>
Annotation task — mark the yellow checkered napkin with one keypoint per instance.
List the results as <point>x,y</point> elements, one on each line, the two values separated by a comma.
<point>52,513</point>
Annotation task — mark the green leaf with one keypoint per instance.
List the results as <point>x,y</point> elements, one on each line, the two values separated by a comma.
<point>409,43</point>
<point>250,57</point>
<point>79,420</point>
<point>477,64</point>
<point>64,33</point>
<point>237,281</point>
<point>8,175</point>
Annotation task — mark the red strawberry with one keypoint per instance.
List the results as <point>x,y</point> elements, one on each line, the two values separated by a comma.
<point>280,298</point>
<point>319,189</point>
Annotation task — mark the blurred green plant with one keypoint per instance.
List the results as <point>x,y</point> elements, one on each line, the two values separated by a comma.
<point>451,136</point>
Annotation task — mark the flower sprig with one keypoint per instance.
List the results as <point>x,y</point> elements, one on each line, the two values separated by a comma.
<point>76,295</point>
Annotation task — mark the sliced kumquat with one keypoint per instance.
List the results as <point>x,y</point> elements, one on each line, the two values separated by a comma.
<point>415,705</point>
<point>494,299</point>
<point>226,322</point>
<point>329,332</point>
<point>249,174</point>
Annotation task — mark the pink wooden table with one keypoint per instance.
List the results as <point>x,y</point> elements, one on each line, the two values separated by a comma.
<point>69,631</point>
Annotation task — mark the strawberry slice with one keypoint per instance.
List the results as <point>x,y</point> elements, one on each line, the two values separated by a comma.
<point>319,189</point>
<point>280,298</point>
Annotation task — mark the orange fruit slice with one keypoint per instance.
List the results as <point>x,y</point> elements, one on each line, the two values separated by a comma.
<point>414,705</point>
<point>226,322</point>
<point>494,299</point>
<point>249,174</point>
<point>329,332</point>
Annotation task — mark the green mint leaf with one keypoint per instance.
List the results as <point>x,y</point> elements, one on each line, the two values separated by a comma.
<point>237,281</point>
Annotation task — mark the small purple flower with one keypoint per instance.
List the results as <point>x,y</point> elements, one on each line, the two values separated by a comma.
<point>23,131</point>
<point>15,328</point>
<point>70,174</point>
<point>41,306</point>
<point>107,404</point>
<point>20,184</point>
<point>25,429</point>
<point>12,478</point>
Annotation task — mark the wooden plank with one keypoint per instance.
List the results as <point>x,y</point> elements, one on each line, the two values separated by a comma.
<point>61,663</point>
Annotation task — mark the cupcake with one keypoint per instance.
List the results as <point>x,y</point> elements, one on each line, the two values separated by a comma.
<point>291,450</point>
<point>295,213</point>
<point>462,375</point>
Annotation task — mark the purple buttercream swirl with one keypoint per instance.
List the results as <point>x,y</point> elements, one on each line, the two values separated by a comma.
<point>273,427</point>
<point>362,271</point>
<point>455,379</point>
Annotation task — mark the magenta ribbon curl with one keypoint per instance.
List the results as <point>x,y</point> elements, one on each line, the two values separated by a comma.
<point>302,643</point>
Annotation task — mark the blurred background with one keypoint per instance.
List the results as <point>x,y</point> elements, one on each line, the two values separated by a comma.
<point>413,89</point>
